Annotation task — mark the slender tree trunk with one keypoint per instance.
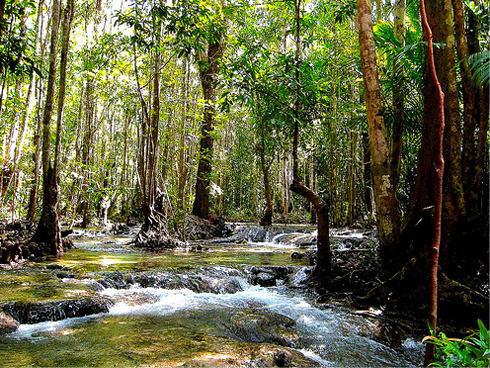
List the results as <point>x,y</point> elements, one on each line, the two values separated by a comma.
<point>68,14</point>
<point>440,18</point>
<point>312,184</point>
<point>182,142</point>
<point>437,124</point>
<point>285,186</point>
<point>388,217</point>
<point>8,170</point>
<point>208,71</point>
<point>367,177</point>
<point>87,149</point>
<point>152,150</point>
<point>48,230</point>
<point>323,266</point>
<point>36,157</point>
<point>472,162</point>
<point>351,190</point>
<point>266,220</point>
<point>396,144</point>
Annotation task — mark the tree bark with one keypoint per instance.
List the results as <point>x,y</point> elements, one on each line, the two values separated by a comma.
<point>388,217</point>
<point>208,71</point>
<point>440,18</point>
<point>434,110</point>
<point>474,103</point>
<point>48,230</point>
<point>285,186</point>
<point>68,14</point>
<point>266,220</point>
<point>152,143</point>
<point>396,143</point>
<point>182,171</point>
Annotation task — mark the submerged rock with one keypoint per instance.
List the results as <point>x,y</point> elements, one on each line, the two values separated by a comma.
<point>7,324</point>
<point>258,234</point>
<point>262,356</point>
<point>199,283</point>
<point>250,325</point>
<point>30,312</point>
<point>270,275</point>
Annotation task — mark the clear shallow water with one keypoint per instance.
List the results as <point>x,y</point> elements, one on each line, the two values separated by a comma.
<point>158,327</point>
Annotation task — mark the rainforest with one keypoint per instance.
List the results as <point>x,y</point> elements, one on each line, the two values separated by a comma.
<point>244,183</point>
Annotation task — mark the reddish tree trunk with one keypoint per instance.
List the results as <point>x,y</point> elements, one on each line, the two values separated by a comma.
<point>432,110</point>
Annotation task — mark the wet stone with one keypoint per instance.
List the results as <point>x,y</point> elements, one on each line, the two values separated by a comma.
<point>30,312</point>
<point>54,266</point>
<point>264,279</point>
<point>259,326</point>
<point>7,324</point>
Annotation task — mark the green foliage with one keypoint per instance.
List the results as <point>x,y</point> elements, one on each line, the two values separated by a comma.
<point>480,65</point>
<point>16,41</point>
<point>472,351</point>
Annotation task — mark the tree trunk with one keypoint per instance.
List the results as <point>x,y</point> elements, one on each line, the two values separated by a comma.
<point>440,18</point>
<point>472,162</point>
<point>323,267</point>
<point>396,143</point>
<point>285,187</point>
<point>182,177</point>
<point>266,220</point>
<point>48,230</point>
<point>434,110</point>
<point>208,71</point>
<point>31,211</point>
<point>68,14</point>
<point>388,217</point>
<point>152,143</point>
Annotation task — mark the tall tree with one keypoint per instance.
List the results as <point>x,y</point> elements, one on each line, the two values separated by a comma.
<point>434,117</point>
<point>396,143</point>
<point>458,181</point>
<point>48,230</point>
<point>209,65</point>
<point>388,217</point>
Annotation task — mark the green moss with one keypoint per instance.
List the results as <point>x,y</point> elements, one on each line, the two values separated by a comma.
<point>37,284</point>
<point>124,341</point>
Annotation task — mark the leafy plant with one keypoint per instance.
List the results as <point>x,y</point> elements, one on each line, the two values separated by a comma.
<point>472,351</point>
<point>480,65</point>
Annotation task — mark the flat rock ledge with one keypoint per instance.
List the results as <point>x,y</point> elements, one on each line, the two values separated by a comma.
<point>29,312</point>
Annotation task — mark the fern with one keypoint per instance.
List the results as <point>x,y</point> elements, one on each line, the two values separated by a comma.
<point>480,66</point>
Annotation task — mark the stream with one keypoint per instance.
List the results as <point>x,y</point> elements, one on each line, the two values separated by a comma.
<point>238,303</point>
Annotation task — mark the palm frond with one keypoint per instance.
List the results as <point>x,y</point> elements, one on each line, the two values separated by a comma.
<point>480,66</point>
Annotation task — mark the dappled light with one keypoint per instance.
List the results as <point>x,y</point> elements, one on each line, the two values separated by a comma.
<point>240,183</point>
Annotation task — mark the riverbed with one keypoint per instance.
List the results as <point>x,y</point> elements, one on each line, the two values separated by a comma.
<point>223,304</point>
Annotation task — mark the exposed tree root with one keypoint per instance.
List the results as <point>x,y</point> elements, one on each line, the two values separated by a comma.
<point>155,234</point>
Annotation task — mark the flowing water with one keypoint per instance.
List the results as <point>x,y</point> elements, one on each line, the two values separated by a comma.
<point>187,308</point>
